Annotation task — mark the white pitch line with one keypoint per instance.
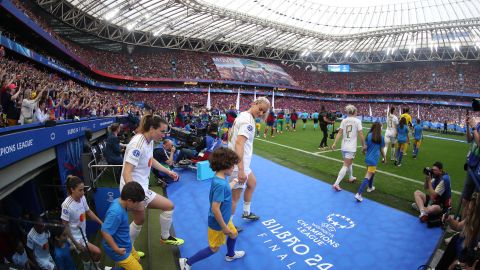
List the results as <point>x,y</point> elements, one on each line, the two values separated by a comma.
<point>328,151</point>
<point>356,165</point>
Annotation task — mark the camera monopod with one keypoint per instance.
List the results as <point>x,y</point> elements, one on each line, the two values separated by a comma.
<point>88,250</point>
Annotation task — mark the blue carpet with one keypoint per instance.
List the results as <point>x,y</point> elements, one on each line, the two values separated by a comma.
<point>304,225</point>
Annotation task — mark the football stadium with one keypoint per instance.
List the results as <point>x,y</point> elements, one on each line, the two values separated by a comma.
<point>248,134</point>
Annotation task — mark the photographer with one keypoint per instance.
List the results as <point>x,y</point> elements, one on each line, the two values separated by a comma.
<point>325,119</point>
<point>211,143</point>
<point>438,193</point>
<point>165,154</point>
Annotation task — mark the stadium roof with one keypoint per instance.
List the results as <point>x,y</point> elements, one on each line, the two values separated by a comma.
<point>312,31</point>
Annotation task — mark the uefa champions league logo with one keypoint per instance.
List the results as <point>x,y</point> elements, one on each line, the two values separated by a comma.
<point>339,221</point>
<point>110,197</point>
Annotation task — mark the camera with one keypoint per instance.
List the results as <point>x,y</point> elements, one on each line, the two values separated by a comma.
<point>185,139</point>
<point>332,135</point>
<point>427,171</point>
<point>332,116</point>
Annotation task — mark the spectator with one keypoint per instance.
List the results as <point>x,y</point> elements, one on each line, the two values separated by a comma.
<point>113,148</point>
<point>9,100</point>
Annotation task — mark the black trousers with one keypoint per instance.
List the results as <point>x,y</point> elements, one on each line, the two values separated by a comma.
<point>324,129</point>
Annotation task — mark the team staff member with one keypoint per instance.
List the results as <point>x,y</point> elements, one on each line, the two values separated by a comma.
<point>138,161</point>
<point>324,122</point>
<point>241,141</point>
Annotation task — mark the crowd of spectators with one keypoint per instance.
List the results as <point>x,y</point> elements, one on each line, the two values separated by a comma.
<point>439,77</point>
<point>29,94</point>
<point>64,99</point>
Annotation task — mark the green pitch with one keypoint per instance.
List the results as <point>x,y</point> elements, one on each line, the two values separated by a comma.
<point>394,185</point>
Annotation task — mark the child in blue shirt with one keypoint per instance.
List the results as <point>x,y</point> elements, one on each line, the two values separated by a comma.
<point>375,144</point>
<point>116,229</point>
<point>220,224</point>
<point>418,137</point>
<point>62,256</point>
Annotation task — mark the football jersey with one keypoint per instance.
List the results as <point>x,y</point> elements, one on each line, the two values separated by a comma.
<point>407,117</point>
<point>244,125</point>
<point>38,242</point>
<point>392,123</point>
<point>418,131</point>
<point>75,214</point>
<point>350,126</point>
<point>139,153</point>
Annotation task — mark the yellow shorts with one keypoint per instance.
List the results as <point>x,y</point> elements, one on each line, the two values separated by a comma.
<point>257,126</point>
<point>371,169</point>
<point>218,238</point>
<point>131,262</point>
<point>403,147</point>
<point>418,143</point>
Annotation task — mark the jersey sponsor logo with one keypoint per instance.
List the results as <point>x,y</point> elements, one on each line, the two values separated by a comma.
<point>45,246</point>
<point>250,128</point>
<point>136,153</point>
<point>82,217</point>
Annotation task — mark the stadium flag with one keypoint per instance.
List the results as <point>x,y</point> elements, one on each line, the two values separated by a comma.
<point>388,110</point>
<point>209,105</point>
<point>273,99</point>
<point>418,112</point>
<point>369,110</point>
<point>255,94</point>
<point>237,106</point>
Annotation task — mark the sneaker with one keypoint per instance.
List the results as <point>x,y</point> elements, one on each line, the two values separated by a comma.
<point>337,188</point>
<point>250,216</point>
<point>352,180</point>
<point>395,163</point>
<point>423,217</point>
<point>383,160</point>
<point>415,207</point>
<point>238,254</point>
<point>183,264</point>
<point>172,241</point>
<point>358,197</point>
<point>414,157</point>
<point>140,254</point>
<point>399,164</point>
<point>371,189</point>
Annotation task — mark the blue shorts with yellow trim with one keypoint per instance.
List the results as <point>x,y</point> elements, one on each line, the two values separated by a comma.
<point>371,169</point>
<point>418,142</point>
<point>218,238</point>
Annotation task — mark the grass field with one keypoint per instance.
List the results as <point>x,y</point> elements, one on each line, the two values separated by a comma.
<point>394,185</point>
